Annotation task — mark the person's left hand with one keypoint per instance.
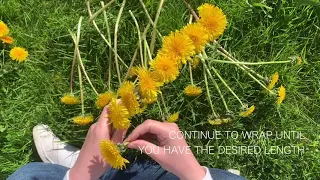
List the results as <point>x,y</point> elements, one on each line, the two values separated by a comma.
<point>90,164</point>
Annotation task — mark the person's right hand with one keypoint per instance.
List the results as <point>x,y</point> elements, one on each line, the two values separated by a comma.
<point>171,151</point>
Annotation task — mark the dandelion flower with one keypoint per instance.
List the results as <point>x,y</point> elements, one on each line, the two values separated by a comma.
<point>195,62</point>
<point>215,122</point>
<point>274,80</point>
<point>104,99</point>
<point>70,99</point>
<point>165,69</point>
<point>83,120</point>
<point>299,60</point>
<point>173,118</point>
<point>198,34</point>
<point>192,90</point>
<point>213,19</point>
<point>4,30</point>
<point>248,112</point>
<point>128,98</point>
<point>111,154</point>
<point>133,71</point>
<point>282,95</point>
<point>119,115</point>
<point>178,46</point>
<point>148,87</point>
<point>19,54</point>
<point>7,39</point>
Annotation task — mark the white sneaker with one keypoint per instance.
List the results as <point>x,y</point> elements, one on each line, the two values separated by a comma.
<point>51,149</point>
<point>234,171</point>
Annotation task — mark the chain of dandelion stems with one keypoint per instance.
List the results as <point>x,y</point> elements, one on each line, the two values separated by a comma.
<point>110,51</point>
<point>136,51</point>
<point>72,69</point>
<point>83,69</point>
<point>139,35</point>
<point>103,37</point>
<point>115,41</point>
<point>221,79</point>
<point>81,90</point>
<point>153,39</point>
<point>217,87</point>
<point>104,7</point>
<point>254,78</point>
<point>208,92</point>
<point>247,63</point>
<point>227,55</point>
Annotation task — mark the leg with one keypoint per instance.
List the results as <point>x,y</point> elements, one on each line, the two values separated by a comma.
<point>140,170</point>
<point>39,171</point>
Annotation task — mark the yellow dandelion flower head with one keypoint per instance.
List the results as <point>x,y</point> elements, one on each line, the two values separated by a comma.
<point>119,115</point>
<point>149,88</point>
<point>111,154</point>
<point>299,60</point>
<point>165,68</point>
<point>104,98</point>
<point>128,98</point>
<point>19,54</point>
<point>133,71</point>
<point>215,122</point>
<point>198,34</point>
<point>178,46</point>
<point>274,80</point>
<point>248,111</point>
<point>192,90</point>
<point>4,30</point>
<point>282,94</point>
<point>173,118</point>
<point>7,39</point>
<point>213,19</point>
<point>83,120</point>
<point>70,99</point>
<point>195,62</point>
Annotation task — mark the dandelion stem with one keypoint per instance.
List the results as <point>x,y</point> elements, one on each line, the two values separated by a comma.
<point>116,40</point>
<point>103,37</point>
<point>81,90</point>
<point>194,14</point>
<point>208,93</point>
<point>110,48</point>
<point>147,51</point>
<point>154,32</point>
<point>101,10</point>
<point>161,112</point>
<point>139,35</point>
<point>72,70</point>
<point>190,71</point>
<point>76,42</point>
<point>247,63</point>
<point>216,86</point>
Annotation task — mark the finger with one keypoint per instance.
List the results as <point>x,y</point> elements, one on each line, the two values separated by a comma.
<point>155,152</point>
<point>149,126</point>
<point>103,119</point>
<point>118,136</point>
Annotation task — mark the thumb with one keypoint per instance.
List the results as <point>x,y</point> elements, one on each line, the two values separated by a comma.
<point>155,152</point>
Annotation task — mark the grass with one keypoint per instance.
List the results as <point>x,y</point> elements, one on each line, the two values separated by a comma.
<point>30,92</point>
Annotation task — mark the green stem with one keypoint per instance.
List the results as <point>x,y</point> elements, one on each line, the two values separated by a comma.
<point>81,90</point>
<point>216,86</point>
<point>139,35</point>
<point>103,37</point>
<point>247,63</point>
<point>190,71</point>
<point>116,40</point>
<point>208,93</point>
<point>72,70</point>
<point>110,48</point>
<point>161,112</point>
<point>101,10</point>
<point>154,32</point>
<point>148,52</point>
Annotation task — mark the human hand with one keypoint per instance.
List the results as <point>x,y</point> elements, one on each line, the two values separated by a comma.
<point>181,162</point>
<point>90,165</point>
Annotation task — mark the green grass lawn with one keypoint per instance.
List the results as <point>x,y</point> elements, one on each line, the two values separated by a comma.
<point>30,92</point>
